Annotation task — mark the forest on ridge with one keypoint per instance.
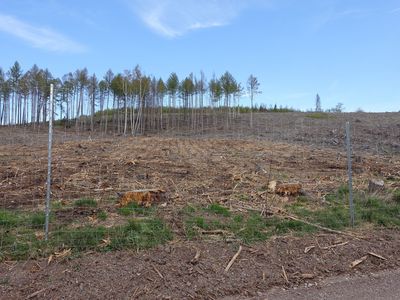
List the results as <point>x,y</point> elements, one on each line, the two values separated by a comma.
<point>128,103</point>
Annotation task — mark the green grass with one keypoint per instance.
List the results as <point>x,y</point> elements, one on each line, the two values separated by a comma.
<point>11,219</point>
<point>140,234</point>
<point>396,196</point>
<point>79,239</point>
<point>18,238</point>
<point>250,227</point>
<point>218,210</point>
<point>56,205</point>
<point>336,214</point>
<point>37,220</point>
<point>85,202</point>
<point>134,209</point>
<point>247,227</point>
<point>102,215</point>
<point>144,229</point>
<point>286,226</point>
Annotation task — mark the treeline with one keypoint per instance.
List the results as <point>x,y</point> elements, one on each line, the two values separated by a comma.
<point>129,102</point>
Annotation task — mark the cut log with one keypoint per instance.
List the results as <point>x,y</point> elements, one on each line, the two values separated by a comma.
<point>285,189</point>
<point>144,198</point>
<point>375,185</point>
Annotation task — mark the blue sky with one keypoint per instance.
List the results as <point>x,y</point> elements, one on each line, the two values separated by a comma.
<point>346,50</point>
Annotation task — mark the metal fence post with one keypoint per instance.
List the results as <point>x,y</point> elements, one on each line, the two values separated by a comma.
<point>50,141</point>
<point>348,144</point>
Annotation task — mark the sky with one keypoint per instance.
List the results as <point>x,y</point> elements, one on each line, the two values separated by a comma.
<point>347,51</point>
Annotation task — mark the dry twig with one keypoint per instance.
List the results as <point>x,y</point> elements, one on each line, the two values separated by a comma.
<point>35,293</point>
<point>233,259</point>
<point>377,255</point>
<point>285,275</point>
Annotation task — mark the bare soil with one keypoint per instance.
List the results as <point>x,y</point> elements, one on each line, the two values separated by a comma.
<point>167,272</point>
<point>231,170</point>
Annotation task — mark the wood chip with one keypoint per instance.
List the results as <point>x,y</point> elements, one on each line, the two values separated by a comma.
<point>195,260</point>
<point>307,276</point>
<point>63,254</point>
<point>358,261</point>
<point>308,249</point>
<point>233,259</point>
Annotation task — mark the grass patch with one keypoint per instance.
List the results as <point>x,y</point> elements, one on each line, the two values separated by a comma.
<point>134,209</point>
<point>251,227</point>
<point>37,220</point>
<point>102,215</point>
<point>336,213</point>
<point>79,239</point>
<point>85,202</point>
<point>396,196</point>
<point>19,240</point>
<point>379,212</point>
<point>10,219</point>
<point>56,205</point>
<point>15,219</point>
<point>140,234</point>
<point>218,210</point>
<point>247,227</point>
<point>286,226</point>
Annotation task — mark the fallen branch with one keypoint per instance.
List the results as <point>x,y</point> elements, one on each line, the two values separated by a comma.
<point>321,227</point>
<point>36,293</point>
<point>216,231</point>
<point>358,261</point>
<point>158,272</point>
<point>377,255</point>
<point>334,246</point>
<point>233,259</point>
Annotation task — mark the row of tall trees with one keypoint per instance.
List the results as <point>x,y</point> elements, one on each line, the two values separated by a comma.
<point>129,102</point>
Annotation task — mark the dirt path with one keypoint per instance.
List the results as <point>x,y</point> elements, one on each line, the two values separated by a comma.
<point>382,285</point>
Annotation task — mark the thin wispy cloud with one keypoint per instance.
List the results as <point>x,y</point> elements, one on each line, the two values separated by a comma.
<point>395,11</point>
<point>173,18</point>
<point>331,16</point>
<point>39,37</point>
